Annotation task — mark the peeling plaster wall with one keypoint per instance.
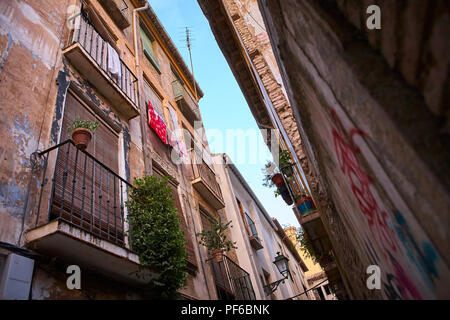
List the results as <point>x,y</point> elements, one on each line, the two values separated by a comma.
<point>30,35</point>
<point>49,283</point>
<point>34,81</point>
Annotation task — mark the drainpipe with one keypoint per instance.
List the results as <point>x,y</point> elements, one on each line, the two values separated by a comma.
<point>147,154</point>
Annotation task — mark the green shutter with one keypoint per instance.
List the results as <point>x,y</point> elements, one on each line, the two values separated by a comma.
<point>148,49</point>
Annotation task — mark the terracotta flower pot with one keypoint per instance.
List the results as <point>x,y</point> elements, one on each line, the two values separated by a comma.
<point>218,255</point>
<point>81,138</point>
<point>277,179</point>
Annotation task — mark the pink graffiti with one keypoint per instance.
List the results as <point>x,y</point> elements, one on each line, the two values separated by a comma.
<point>360,182</point>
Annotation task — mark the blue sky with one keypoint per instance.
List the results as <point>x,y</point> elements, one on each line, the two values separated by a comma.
<point>223,106</point>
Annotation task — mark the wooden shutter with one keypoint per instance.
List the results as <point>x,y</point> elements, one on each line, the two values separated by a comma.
<point>150,94</point>
<point>90,197</point>
<point>243,216</point>
<point>148,48</point>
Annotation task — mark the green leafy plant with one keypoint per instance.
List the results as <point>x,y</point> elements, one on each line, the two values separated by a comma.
<point>156,235</point>
<point>285,162</point>
<point>215,238</point>
<point>307,246</point>
<point>302,194</point>
<point>270,169</point>
<point>87,124</point>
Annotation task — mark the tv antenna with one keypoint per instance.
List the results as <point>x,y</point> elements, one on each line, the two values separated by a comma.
<point>188,39</point>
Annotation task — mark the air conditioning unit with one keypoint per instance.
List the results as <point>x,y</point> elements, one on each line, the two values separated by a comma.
<point>16,276</point>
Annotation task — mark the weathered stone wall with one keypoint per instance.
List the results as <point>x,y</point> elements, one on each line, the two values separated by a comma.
<point>372,140</point>
<point>249,25</point>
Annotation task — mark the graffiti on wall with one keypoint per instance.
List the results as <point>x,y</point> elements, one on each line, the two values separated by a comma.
<point>403,258</point>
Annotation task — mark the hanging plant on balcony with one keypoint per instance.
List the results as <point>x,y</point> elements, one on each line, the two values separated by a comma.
<point>273,178</point>
<point>286,163</point>
<point>82,131</point>
<point>215,239</point>
<point>156,235</point>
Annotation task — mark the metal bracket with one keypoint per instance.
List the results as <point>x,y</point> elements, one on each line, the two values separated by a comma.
<point>36,161</point>
<point>272,287</point>
<point>126,6</point>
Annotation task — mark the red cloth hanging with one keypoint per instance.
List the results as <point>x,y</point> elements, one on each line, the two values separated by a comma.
<point>156,123</point>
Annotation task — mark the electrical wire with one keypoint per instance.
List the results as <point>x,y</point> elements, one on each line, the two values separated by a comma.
<point>262,27</point>
<point>308,290</point>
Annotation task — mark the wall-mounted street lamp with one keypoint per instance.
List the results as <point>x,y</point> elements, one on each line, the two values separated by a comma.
<point>282,264</point>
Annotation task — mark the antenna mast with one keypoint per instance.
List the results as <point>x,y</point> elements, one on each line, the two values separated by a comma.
<point>189,43</point>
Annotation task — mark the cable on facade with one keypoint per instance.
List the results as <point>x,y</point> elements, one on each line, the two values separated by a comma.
<point>308,290</point>
<point>243,6</point>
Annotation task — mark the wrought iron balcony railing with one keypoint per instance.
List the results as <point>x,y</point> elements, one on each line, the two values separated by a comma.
<point>97,48</point>
<point>231,280</point>
<point>82,192</point>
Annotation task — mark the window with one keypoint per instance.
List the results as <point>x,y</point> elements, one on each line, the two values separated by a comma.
<point>97,189</point>
<point>319,294</point>
<point>147,45</point>
<point>206,219</point>
<point>150,94</point>
<point>2,263</point>
<point>327,289</point>
<point>100,26</point>
<point>191,257</point>
<point>244,217</point>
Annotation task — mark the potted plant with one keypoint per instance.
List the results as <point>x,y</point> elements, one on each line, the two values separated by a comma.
<point>273,177</point>
<point>277,179</point>
<point>285,163</point>
<point>284,192</point>
<point>215,239</point>
<point>82,131</point>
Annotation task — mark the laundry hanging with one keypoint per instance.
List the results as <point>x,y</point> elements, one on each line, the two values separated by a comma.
<point>156,123</point>
<point>114,62</point>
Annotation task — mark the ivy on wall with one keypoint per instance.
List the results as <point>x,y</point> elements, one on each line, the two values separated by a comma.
<point>156,234</point>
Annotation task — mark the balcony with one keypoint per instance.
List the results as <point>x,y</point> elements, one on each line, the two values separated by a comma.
<point>88,53</point>
<point>81,215</point>
<point>204,182</point>
<point>310,217</point>
<point>232,282</point>
<point>115,11</point>
<point>253,233</point>
<point>185,102</point>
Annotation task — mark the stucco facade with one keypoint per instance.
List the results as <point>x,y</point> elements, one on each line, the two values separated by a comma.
<point>53,60</point>
<point>258,237</point>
